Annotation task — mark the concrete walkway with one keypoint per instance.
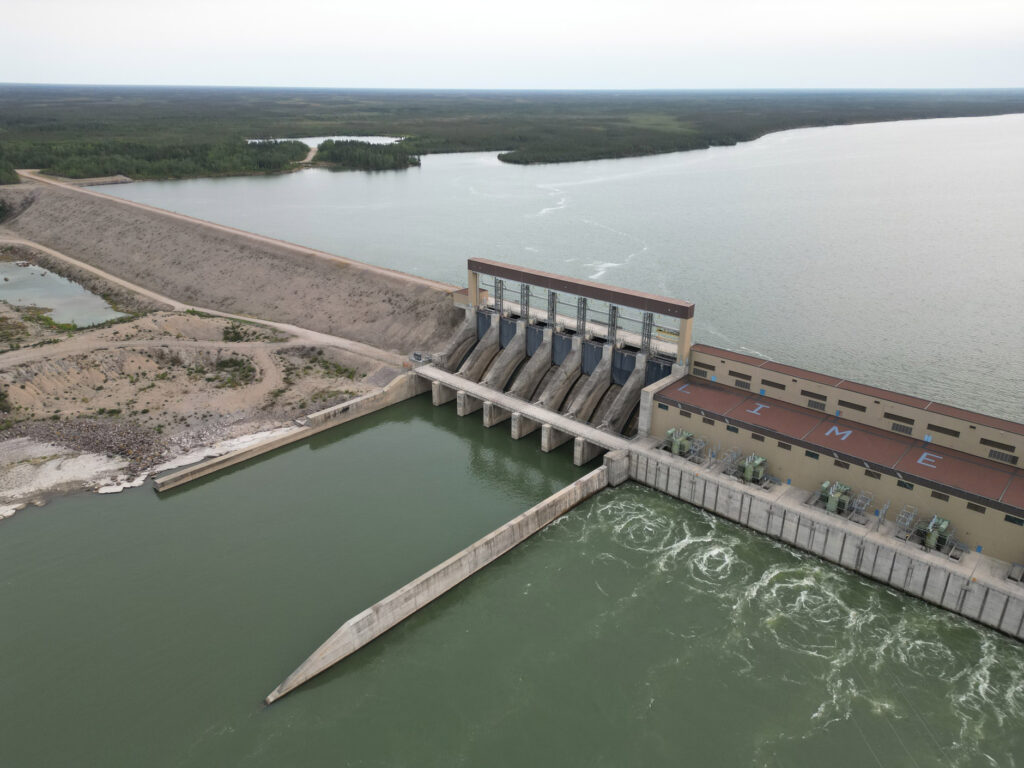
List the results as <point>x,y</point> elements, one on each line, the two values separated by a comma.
<point>562,423</point>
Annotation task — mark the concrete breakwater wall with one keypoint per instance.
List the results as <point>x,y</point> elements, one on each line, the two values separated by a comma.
<point>400,388</point>
<point>974,587</point>
<point>400,605</point>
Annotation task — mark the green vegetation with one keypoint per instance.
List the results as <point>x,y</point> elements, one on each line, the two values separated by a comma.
<point>236,332</point>
<point>246,330</point>
<point>38,316</point>
<point>7,176</point>
<point>177,132</point>
<point>85,159</point>
<point>360,156</point>
<point>12,332</point>
<point>331,368</point>
<point>5,403</point>
<point>235,372</point>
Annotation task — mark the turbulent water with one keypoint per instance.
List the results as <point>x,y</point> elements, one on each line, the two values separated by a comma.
<point>139,630</point>
<point>891,254</point>
<point>733,650</point>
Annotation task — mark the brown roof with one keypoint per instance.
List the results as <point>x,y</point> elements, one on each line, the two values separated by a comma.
<point>852,386</point>
<point>927,463</point>
<point>647,302</point>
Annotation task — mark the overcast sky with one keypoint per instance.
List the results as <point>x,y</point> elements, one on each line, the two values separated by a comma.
<point>521,44</point>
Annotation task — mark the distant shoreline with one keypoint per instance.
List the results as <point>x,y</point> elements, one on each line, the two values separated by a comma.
<point>161,133</point>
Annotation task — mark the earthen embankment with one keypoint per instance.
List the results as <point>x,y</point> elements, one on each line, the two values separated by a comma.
<point>206,264</point>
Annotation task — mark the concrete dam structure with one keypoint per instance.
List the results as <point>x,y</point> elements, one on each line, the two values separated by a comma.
<point>616,372</point>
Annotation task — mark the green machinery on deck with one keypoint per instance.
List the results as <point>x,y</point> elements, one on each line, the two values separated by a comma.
<point>835,496</point>
<point>936,528</point>
<point>754,468</point>
<point>680,440</point>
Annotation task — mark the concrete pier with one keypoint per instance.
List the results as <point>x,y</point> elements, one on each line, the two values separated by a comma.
<point>525,411</point>
<point>584,452</point>
<point>495,414</point>
<point>466,404</point>
<point>522,426</point>
<point>551,438</point>
<point>398,606</point>
<point>440,394</point>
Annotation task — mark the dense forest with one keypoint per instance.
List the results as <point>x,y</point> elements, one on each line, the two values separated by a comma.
<point>360,156</point>
<point>7,174</point>
<point>85,159</point>
<point>150,132</point>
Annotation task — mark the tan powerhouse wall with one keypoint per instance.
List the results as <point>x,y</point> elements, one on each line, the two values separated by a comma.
<point>789,387</point>
<point>999,538</point>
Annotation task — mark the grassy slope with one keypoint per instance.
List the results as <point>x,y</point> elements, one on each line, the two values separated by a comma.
<point>530,126</point>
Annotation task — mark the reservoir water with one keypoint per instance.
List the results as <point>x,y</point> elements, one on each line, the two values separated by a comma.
<point>891,254</point>
<point>145,630</point>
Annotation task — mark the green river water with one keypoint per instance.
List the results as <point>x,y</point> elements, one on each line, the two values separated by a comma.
<point>144,631</point>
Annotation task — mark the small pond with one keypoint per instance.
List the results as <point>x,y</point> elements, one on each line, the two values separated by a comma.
<point>24,286</point>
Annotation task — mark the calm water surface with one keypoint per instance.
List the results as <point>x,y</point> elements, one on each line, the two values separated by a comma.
<point>891,254</point>
<point>68,301</point>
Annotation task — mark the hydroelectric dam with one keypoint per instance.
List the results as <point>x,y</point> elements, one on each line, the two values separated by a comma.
<point>920,496</point>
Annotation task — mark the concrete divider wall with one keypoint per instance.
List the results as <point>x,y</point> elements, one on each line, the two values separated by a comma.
<point>374,621</point>
<point>482,354</point>
<point>507,361</point>
<point>627,398</point>
<point>458,346</point>
<point>928,575</point>
<point>401,388</point>
<point>532,373</point>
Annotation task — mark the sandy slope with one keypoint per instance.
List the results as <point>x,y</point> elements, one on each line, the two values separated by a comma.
<point>198,263</point>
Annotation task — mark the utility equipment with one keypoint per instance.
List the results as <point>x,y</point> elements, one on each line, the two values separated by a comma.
<point>698,450</point>
<point>938,527</point>
<point>835,496</point>
<point>731,460</point>
<point>754,467</point>
<point>906,522</point>
<point>680,440</point>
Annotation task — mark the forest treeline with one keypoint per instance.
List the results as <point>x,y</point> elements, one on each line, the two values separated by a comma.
<point>85,159</point>
<point>360,156</point>
<point>175,132</point>
<point>7,174</point>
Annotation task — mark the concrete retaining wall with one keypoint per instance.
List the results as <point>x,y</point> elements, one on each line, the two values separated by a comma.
<point>401,388</point>
<point>968,587</point>
<point>398,606</point>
